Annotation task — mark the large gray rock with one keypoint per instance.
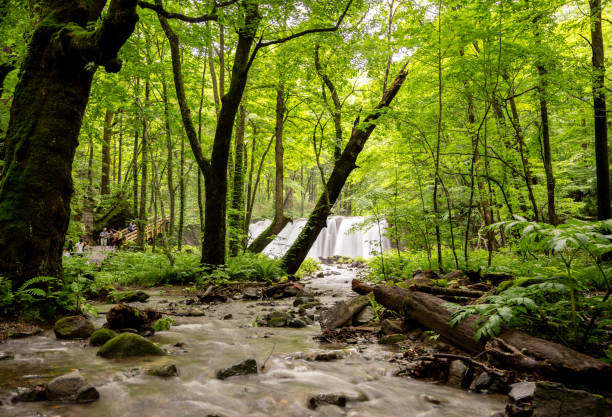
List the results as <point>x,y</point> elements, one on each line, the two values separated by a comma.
<point>365,316</point>
<point>554,400</point>
<point>522,391</point>
<point>246,367</point>
<point>165,371</point>
<point>71,388</point>
<point>74,327</point>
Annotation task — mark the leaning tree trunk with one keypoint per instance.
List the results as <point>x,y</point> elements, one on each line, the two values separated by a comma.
<point>279,221</point>
<point>45,120</point>
<point>342,169</point>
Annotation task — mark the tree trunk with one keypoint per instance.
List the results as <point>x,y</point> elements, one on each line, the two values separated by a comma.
<point>602,162</point>
<point>215,169</point>
<point>170,157</point>
<point>106,158</point>
<point>45,119</point>
<point>279,221</point>
<point>236,217</point>
<point>548,168</point>
<point>181,226</point>
<point>342,169</point>
<point>142,212</point>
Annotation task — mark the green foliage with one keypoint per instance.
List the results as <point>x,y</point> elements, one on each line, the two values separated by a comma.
<point>559,305</point>
<point>163,324</point>
<point>150,269</point>
<point>38,298</point>
<point>308,268</point>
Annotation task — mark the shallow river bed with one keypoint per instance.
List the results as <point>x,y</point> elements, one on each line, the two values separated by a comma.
<point>210,343</point>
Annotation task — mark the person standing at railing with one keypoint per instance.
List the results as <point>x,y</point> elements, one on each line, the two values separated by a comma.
<point>103,237</point>
<point>119,237</point>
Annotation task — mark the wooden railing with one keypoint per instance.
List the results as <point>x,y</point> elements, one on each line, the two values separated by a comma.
<point>152,229</point>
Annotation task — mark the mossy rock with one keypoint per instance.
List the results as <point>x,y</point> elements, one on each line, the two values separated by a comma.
<point>131,297</point>
<point>101,336</point>
<point>393,339</point>
<point>129,344</point>
<point>73,327</point>
<point>246,367</point>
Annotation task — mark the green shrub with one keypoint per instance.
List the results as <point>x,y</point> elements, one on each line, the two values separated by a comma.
<point>308,268</point>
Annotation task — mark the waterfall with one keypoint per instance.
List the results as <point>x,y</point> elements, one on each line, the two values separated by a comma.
<point>342,237</point>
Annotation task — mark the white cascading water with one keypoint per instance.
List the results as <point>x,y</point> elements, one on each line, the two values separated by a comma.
<point>341,237</point>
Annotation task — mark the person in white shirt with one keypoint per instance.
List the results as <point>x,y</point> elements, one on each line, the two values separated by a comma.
<point>79,247</point>
<point>103,237</point>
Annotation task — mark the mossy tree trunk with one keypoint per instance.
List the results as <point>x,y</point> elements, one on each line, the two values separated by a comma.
<point>45,120</point>
<point>236,216</point>
<point>340,173</point>
<point>106,154</point>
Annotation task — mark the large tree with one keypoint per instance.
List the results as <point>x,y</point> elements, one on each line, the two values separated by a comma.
<point>45,120</point>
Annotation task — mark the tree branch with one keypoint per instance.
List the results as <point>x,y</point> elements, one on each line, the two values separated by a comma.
<point>170,15</point>
<point>334,28</point>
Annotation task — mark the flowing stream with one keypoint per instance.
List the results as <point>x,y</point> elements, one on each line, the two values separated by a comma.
<point>343,236</point>
<point>364,375</point>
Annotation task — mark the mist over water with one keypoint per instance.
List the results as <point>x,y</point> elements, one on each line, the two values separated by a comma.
<point>343,236</point>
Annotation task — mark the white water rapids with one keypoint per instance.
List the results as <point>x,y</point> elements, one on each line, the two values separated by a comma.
<point>343,236</point>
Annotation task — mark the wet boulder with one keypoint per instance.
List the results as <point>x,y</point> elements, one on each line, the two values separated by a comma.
<point>73,327</point>
<point>365,316</point>
<point>165,371</point>
<point>71,388</point>
<point>101,336</point>
<point>129,344</point>
<point>251,293</point>
<point>30,394</point>
<point>393,339</point>
<point>321,399</point>
<point>457,373</point>
<point>342,312</point>
<point>123,316</point>
<point>131,297</point>
<point>246,367</point>
<point>554,400</point>
<point>389,326</point>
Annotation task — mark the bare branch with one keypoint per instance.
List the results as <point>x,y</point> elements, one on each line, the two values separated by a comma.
<point>199,19</point>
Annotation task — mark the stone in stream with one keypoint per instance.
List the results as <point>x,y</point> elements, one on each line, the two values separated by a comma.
<point>101,336</point>
<point>71,388</point>
<point>73,327</point>
<point>389,326</point>
<point>522,391</point>
<point>6,356</point>
<point>457,373</point>
<point>30,394</point>
<point>302,300</point>
<point>165,371</point>
<point>365,316</point>
<point>251,293</point>
<point>123,316</point>
<point>246,367</point>
<point>129,344</point>
<point>321,399</point>
<point>482,382</point>
<point>131,297</point>
<point>393,339</point>
<point>554,400</point>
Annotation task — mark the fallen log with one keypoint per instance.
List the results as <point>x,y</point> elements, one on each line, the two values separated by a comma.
<point>287,289</point>
<point>361,287</point>
<point>455,292</point>
<point>511,348</point>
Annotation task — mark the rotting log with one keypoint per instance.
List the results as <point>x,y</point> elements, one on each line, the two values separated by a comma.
<point>455,292</point>
<point>511,348</point>
<point>361,287</point>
